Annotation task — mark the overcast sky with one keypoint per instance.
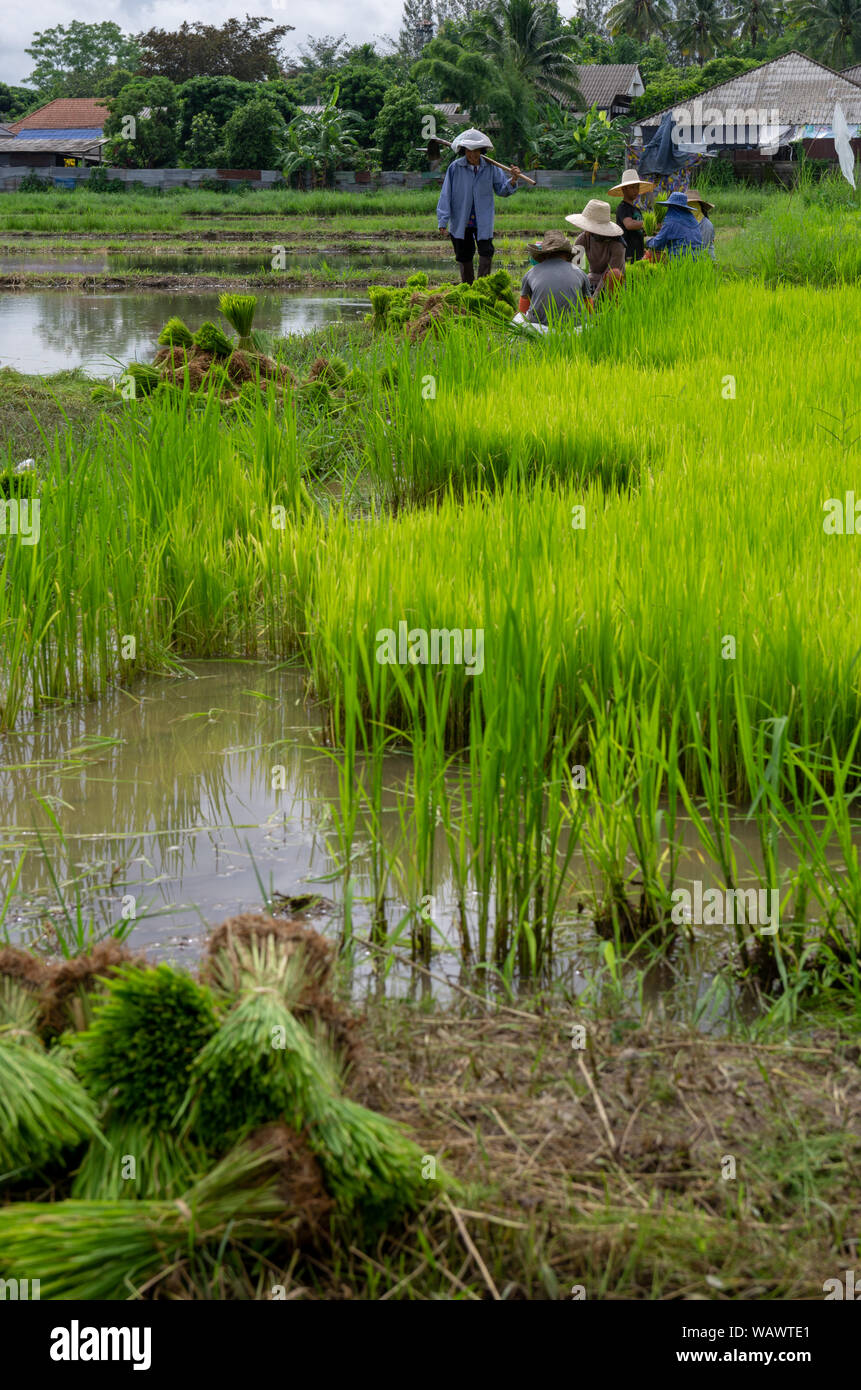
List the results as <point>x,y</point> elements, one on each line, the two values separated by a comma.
<point>360,20</point>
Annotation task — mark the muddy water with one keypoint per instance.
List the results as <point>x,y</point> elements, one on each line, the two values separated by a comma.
<point>207,263</point>
<point>45,331</point>
<point>164,804</point>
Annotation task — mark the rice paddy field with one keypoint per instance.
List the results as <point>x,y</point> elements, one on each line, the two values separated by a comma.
<point>500,698</point>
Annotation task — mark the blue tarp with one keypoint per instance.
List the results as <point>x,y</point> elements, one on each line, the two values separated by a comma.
<point>659,156</point>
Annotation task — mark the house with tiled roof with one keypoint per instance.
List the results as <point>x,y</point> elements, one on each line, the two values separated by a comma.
<point>69,130</point>
<point>760,115</point>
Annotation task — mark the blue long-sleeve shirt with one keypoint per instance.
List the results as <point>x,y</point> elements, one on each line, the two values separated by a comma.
<point>464,187</point>
<point>679,234</point>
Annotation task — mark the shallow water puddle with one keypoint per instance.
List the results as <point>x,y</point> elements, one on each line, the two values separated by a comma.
<point>192,797</point>
<point>43,331</point>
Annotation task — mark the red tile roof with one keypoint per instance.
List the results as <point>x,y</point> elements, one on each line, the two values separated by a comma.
<point>66,113</point>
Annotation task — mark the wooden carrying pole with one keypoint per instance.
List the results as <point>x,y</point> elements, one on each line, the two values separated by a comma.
<point>505,167</point>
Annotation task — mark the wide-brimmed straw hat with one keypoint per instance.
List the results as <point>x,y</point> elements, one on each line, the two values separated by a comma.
<point>596,218</point>
<point>694,197</point>
<point>554,244</point>
<point>472,140</point>
<point>630,183</point>
<point>675,200</point>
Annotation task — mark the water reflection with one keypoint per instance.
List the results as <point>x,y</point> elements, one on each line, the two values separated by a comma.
<point>48,330</point>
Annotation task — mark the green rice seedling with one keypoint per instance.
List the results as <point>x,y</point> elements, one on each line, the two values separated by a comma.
<point>210,338</point>
<point>106,1250</point>
<point>239,309</point>
<point>175,334</point>
<point>264,1064</point>
<point>147,1029</point>
<point>144,379</point>
<point>136,1161</point>
<point>44,1110</point>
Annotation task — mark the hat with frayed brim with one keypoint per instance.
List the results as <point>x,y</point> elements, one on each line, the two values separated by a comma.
<point>596,218</point>
<point>631,183</point>
<point>554,244</point>
<point>675,200</point>
<point>694,197</point>
<point>472,140</point>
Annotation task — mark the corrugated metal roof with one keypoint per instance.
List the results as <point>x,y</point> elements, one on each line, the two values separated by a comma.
<point>853,74</point>
<point>36,145</point>
<point>800,90</point>
<point>601,83</point>
<point>66,113</point>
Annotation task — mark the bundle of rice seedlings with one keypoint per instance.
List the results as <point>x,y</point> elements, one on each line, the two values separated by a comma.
<point>210,338</point>
<point>43,1108</point>
<point>25,968</point>
<point>333,370</point>
<point>175,334</point>
<point>136,1161</point>
<point>317,393</point>
<point>110,1250</point>
<point>146,1031</point>
<point>264,1064</point>
<point>238,309</point>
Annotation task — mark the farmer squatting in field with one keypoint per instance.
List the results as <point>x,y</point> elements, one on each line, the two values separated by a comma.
<point>465,208</point>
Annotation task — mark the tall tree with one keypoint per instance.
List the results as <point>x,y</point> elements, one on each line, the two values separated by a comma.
<point>246,49</point>
<point>639,18</point>
<point>755,20</point>
<point>71,60</point>
<point>141,125</point>
<point>701,29</point>
<point>830,28</point>
<point>526,35</point>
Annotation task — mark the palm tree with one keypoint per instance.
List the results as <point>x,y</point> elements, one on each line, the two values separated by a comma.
<point>639,19</point>
<point>754,20</point>
<point>523,36</point>
<point>831,28</point>
<point>702,28</point>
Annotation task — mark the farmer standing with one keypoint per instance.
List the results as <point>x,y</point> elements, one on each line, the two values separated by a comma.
<point>466,205</point>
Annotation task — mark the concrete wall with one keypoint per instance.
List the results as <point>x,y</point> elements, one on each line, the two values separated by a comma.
<point>345,181</point>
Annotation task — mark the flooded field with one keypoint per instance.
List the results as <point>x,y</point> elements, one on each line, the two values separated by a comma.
<point>45,331</point>
<point>191,798</point>
<point>298,261</point>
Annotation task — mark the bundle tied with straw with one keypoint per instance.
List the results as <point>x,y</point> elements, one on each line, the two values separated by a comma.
<point>44,1110</point>
<point>264,1063</point>
<point>136,1058</point>
<point>239,309</point>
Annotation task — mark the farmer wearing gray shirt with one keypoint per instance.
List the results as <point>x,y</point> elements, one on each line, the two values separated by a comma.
<point>701,210</point>
<point>553,288</point>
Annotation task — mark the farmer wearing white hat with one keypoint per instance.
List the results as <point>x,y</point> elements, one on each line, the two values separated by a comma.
<point>465,208</point>
<point>603,242</point>
<point>628,215</point>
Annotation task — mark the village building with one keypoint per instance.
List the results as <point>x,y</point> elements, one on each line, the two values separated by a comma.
<point>757,119</point>
<point>63,133</point>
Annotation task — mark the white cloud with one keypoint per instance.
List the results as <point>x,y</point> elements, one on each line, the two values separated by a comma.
<point>361,20</point>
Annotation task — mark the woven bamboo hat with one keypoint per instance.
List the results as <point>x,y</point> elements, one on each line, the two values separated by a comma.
<point>694,197</point>
<point>596,218</point>
<point>631,183</point>
<point>554,244</point>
